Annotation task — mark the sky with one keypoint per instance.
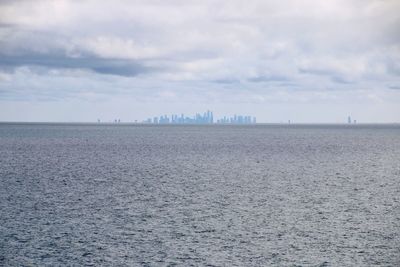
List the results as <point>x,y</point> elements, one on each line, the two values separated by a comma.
<point>304,61</point>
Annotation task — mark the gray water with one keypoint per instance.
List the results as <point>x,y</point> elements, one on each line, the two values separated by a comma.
<point>264,195</point>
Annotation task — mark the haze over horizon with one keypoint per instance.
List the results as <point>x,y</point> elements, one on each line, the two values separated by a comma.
<point>304,61</point>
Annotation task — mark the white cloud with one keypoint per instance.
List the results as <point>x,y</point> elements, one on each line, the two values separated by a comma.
<point>115,47</point>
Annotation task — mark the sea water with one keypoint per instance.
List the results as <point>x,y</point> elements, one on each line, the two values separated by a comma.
<point>166,195</point>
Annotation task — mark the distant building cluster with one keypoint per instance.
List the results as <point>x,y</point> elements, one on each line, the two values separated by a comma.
<point>349,120</point>
<point>238,119</point>
<point>205,118</point>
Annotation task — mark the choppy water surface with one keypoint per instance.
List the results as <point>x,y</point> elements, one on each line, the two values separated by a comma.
<point>199,195</point>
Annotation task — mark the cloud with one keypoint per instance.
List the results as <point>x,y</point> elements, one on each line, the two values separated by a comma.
<point>110,66</point>
<point>260,32</point>
<point>272,78</point>
<point>210,50</point>
<point>394,87</point>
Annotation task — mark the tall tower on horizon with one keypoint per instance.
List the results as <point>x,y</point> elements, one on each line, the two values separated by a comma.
<point>349,120</point>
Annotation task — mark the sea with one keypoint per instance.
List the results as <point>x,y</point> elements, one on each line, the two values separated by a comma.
<point>199,195</point>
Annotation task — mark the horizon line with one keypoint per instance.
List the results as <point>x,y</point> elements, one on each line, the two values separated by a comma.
<point>195,124</point>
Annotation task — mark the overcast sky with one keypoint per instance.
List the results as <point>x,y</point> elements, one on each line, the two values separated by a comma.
<point>307,61</point>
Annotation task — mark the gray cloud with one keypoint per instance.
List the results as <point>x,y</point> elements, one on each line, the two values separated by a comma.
<point>265,78</point>
<point>105,66</point>
<point>394,87</point>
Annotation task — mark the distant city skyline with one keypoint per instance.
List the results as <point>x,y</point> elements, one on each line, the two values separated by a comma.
<point>209,118</point>
<point>205,118</point>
